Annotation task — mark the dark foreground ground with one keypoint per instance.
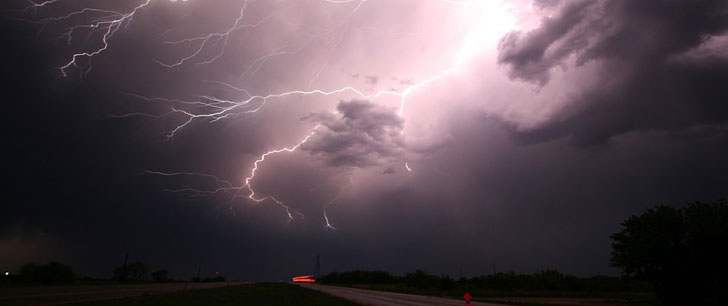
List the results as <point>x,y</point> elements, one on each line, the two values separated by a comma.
<point>525,298</point>
<point>384,298</point>
<point>63,294</point>
<point>262,294</point>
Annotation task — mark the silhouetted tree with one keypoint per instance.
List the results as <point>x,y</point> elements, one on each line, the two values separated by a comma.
<point>358,277</point>
<point>160,275</point>
<point>446,282</point>
<point>51,273</point>
<point>546,280</point>
<point>421,279</point>
<point>134,271</point>
<point>680,250</point>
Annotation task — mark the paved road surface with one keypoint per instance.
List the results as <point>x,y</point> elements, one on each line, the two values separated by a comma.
<point>54,295</point>
<point>382,298</point>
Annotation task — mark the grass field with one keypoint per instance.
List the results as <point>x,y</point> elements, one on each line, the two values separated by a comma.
<point>264,294</point>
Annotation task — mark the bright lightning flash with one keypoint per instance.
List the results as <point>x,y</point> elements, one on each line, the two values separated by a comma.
<point>486,19</point>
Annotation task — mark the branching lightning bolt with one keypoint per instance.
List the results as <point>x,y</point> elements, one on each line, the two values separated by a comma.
<point>331,202</point>
<point>212,109</point>
<point>214,39</point>
<point>256,164</point>
<point>110,25</point>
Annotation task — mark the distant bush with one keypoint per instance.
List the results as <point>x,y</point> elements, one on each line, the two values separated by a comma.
<point>358,277</point>
<point>50,273</point>
<point>420,279</point>
<point>160,275</point>
<point>218,278</point>
<point>135,271</point>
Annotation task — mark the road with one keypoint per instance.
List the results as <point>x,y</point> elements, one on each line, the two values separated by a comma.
<point>382,298</point>
<point>54,295</point>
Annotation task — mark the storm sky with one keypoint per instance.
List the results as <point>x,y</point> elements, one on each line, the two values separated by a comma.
<point>448,136</point>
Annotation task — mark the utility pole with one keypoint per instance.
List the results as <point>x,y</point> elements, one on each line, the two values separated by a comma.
<point>493,268</point>
<point>317,268</point>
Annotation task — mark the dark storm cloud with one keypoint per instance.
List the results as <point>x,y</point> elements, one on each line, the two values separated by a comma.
<point>526,53</point>
<point>359,134</point>
<point>652,75</point>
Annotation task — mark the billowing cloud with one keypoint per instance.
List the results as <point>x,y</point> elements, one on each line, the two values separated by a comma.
<point>646,80</point>
<point>359,134</point>
<point>531,55</point>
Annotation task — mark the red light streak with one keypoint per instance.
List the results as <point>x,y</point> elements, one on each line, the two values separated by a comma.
<point>304,279</point>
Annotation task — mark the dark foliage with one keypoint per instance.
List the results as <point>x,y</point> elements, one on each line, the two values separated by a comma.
<point>135,271</point>
<point>680,250</point>
<point>550,280</point>
<point>421,279</point>
<point>160,275</point>
<point>358,277</point>
<point>51,273</point>
<point>218,278</point>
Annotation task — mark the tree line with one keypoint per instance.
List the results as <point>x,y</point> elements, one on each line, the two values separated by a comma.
<point>56,273</point>
<point>546,280</point>
<point>679,253</point>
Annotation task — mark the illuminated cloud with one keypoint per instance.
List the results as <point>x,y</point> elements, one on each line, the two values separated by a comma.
<point>631,47</point>
<point>360,134</point>
<point>531,55</point>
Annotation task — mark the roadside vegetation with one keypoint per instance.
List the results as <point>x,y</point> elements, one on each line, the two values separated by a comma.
<point>681,251</point>
<point>51,273</point>
<point>668,255</point>
<point>261,294</point>
<point>547,283</point>
<point>56,273</point>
